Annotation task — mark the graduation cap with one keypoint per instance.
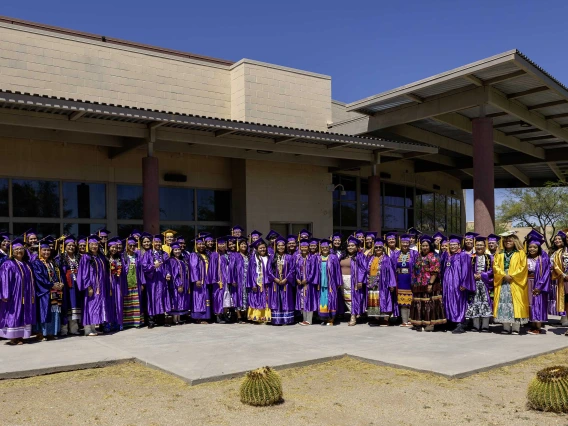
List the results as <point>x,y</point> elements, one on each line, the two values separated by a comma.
<point>470,235</point>
<point>237,228</point>
<point>222,240</point>
<point>444,240</point>
<point>561,233</point>
<point>145,235</point>
<point>508,234</point>
<point>391,235</point>
<point>455,239</point>
<point>313,240</point>
<point>272,234</point>
<point>371,234</point>
<point>93,238</point>
<point>279,239</point>
<point>68,239</point>
<point>81,239</point>
<point>180,239</point>
<point>257,243</point>
<point>256,233</point>
<point>131,239</point>
<point>353,240</point>
<point>113,241</point>
<point>304,233</point>
<point>493,238</point>
<point>17,242</point>
<point>136,233</point>
<point>426,237</point>
<point>208,237</point>
<point>480,238</point>
<point>304,242</point>
<point>175,245</point>
<point>405,237</point>
<point>46,242</point>
<point>358,233</point>
<point>203,234</point>
<point>438,235</point>
<point>198,239</point>
<point>4,236</point>
<point>413,231</point>
<point>103,232</point>
<point>337,235</point>
<point>169,231</point>
<point>379,242</point>
<point>534,237</point>
<point>291,238</point>
<point>158,237</point>
<point>325,243</point>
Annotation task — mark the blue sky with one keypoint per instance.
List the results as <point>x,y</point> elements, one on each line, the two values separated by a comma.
<point>367,47</point>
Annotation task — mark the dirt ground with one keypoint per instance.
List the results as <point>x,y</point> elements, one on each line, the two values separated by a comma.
<point>340,392</point>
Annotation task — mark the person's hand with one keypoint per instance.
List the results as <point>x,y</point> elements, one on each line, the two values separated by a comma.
<point>536,292</point>
<point>283,282</point>
<point>477,276</point>
<point>180,289</point>
<point>168,277</point>
<point>199,283</point>
<point>143,287</point>
<point>156,264</point>
<point>359,286</point>
<point>277,281</point>
<point>90,291</point>
<point>304,282</point>
<point>255,289</point>
<point>462,288</point>
<point>508,278</point>
<point>429,290</point>
<point>4,300</point>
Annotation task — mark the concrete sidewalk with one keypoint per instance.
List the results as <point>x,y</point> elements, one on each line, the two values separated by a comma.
<point>201,353</point>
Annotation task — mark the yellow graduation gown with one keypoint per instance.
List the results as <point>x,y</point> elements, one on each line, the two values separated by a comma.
<point>518,270</point>
<point>557,274</point>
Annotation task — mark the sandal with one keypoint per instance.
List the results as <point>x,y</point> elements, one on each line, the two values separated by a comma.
<point>352,323</point>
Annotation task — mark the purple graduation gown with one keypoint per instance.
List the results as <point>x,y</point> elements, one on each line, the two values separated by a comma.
<point>118,286</point>
<point>358,275</point>
<point>237,276</point>
<point>257,300</point>
<point>220,279</point>
<point>18,313</point>
<point>157,297</point>
<point>538,305</point>
<point>281,297</point>
<point>387,281</point>
<point>93,272</point>
<point>201,300</point>
<point>455,272</point>
<point>43,285</point>
<point>307,293</point>
<point>334,281</point>
<point>179,270</point>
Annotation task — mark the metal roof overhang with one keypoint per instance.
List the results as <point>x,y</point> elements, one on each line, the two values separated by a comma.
<point>124,128</point>
<point>529,108</point>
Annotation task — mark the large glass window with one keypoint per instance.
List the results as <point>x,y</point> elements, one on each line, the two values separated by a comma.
<point>213,205</point>
<point>84,200</point>
<point>35,198</point>
<point>176,204</point>
<point>43,229</point>
<point>129,201</point>
<point>83,228</point>
<point>4,202</point>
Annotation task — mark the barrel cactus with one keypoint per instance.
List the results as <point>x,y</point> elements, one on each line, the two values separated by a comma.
<point>549,390</point>
<point>261,387</point>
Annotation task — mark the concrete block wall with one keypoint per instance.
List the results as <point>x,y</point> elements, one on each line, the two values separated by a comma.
<point>266,93</point>
<point>48,63</point>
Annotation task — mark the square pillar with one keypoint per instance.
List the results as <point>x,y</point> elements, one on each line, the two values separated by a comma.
<point>151,195</point>
<point>375,204</point>
<point>483,176</point>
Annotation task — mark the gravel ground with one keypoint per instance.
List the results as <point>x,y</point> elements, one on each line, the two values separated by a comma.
<point>342,392</point>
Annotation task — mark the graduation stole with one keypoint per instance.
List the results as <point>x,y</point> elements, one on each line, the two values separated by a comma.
<point>326,260</point>
<point>23,281</point>
<point>487,262</point>
<point>259,271</point>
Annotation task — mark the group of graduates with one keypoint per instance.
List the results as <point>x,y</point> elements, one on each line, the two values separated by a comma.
<point>57,286</point>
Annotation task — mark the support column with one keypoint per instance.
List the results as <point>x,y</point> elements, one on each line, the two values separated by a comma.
<point>151,188</point>
<point>375,204</point>
<point>483,176</point>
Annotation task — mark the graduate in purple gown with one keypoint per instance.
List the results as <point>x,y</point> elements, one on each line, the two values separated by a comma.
<point>223,299</point>
<point>403,260</point>
<point>468,245</point>
<point>337,245</point>
<point>369,243</point>
<point>17,296</point>
<point>93,280</point>
<point>156,277</point>
<point>354,283</point>
<point>328,277</point>
<point>118,285</point>
<point>179,288</point>
<point>238,270</point>
<point>457,280</point>
<point>4,246</point>
<point>392,246</point>
<point>49,291</point>
<point>281,290</point>
<point>480,307</point>
<point>271,241</point>
<point>306,284</point>
<point>292,245</point>
<point>31,241</point>
<point>381,283</point>
<point>68,262</point>
<point>539,282</point>
<point>133,312</point>
<point>258,283</point>
<point>199,269</point>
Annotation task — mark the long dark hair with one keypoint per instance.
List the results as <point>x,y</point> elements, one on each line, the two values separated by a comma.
<point>430,244</point>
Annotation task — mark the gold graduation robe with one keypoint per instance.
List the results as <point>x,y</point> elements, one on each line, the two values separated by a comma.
<point>557,274</point>
<point>518,270</point>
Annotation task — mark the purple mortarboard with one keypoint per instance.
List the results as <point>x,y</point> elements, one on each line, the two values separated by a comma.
<point>131,240</point>
<point>455,239</point>
<point>81,239</point>
<point>203,234</point>
<point>231,238</point>
<point>237,228</point>
<point>391,235</point>
<point>325,243</point>
<point>353,240</point>
<point>471,235</point>
<point>4,236</point>
<point>46,242</point>
<point>314,240</point>
<point>181,239</point>
<point>413,231</point>
<point>370,234</point>
<point>337,235</point>
<point>18,242</point>
<point>272,234</point>
<point>174,245</point>
<point>280,239</point>
<point>158,237</point>
<point>222,240</point>
<point>199,239</point>
<point>291,238</point>
<point>209,238</point>
<point>438,235</point>
<point>561,233</point>
<point>405,237</point>
<point>426,237</point>
<point>304,243</point>
<point>358,233</point>
<point>535,237</point>
<point>113,241</point>
<point>494,238</point>
<point>480,238</point>
<point>103,232</point>
<point>29,232</point>
<point>68,239</point>
<point>379,242</point>
<point>145,235</point>
<point>257,233</point>
<point>135,233</point>
<point>257,243</point>
<point>444,240</point>
<point>304,233</point>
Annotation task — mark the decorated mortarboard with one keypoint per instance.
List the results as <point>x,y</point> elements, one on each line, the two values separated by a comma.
<point>379,242</point>
<point>470,235</point>
<point>158,237</point>
<point>29,232</point>
<point>337,235</point>
<point>389,235</point>
<point>508,234</point>
<point>438,235</point>
<point>370,234</point>
<point>405,237</point>
<point>304,233</point>
<point>304,242</point>
<point>93,238</point>
<point>257,243</point>
<point>291,238</point>
<point>257,233</point>
<point>113,241</point>
<point>353,240</point>
<point>325,243</point>
<point>493,238</point>
<point>358,233</point>
<point>272,235</point>
<point>455,239</point>
<point>413,231</point>
<point>169,231</point>
<point>103,232</point>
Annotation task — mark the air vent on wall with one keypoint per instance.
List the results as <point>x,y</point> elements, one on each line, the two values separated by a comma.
<point>384,175</point>
<point>174,177</point>
<point>437,187</point>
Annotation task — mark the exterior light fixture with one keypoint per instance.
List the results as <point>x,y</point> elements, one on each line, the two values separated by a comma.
<point>332,188</point>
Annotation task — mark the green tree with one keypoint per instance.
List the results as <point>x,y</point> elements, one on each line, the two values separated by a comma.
<point>542,208</point>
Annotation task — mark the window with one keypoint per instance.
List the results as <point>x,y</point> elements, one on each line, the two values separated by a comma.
<point>396,203</point>
<point>85,229</point>
<point>129,202</point>
<point>35,198</point>
<point>43,229</point>
<point>84,200</point>
<point>213,205</point>
<point>4,209</point>
<point>176,204</point>
<point>284,228</point>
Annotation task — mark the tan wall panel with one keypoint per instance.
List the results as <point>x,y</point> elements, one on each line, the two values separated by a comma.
<point>278,192</point>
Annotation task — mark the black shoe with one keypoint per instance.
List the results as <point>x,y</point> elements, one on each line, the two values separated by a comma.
<point>459,329</point>
<point>167,325</point>
<point>485,330</point>
<point>151,325</point>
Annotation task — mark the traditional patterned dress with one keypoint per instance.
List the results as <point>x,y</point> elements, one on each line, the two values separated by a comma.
<point>427,307</point>
<point>404,266</point>
<point>511,299</point>
<point>479,303</point>
<point>132,313</point>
